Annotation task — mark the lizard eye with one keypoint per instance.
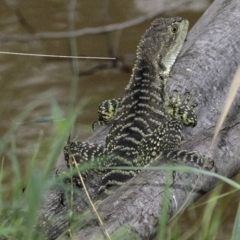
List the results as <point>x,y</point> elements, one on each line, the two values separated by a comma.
<point>174,28</point>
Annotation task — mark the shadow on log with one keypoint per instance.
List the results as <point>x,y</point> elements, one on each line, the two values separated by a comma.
<point>205,68</point>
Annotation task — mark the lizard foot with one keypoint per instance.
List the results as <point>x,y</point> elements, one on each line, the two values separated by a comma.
<point>181,110</point>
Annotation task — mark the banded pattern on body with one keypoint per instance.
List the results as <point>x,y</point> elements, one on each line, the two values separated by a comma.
<point>146,122</point>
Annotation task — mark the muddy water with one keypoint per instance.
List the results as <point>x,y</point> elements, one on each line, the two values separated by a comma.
<point>24,80</point>
<point>27,79</point>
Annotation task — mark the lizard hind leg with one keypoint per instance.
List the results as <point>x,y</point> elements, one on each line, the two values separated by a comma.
<point>78,153</point>
<point>184,156</point>
<point>82,152</point>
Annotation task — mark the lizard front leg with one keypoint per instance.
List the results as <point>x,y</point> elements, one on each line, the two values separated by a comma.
<point>107,111</point>
<point>181,110</point>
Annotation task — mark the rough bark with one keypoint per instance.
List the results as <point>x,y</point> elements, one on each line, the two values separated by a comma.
<point>205,68</point>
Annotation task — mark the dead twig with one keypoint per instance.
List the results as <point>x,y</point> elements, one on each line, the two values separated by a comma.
<point>92,30</point>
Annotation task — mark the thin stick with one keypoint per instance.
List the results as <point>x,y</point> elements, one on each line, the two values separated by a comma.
<point>54,56</point>
<point>235,85</point>
<point>89,199</point>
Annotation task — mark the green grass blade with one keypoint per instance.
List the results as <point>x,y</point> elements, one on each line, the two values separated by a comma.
<point>236,228</point>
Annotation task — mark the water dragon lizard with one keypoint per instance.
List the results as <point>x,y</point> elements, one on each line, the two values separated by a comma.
<point>146,122</point>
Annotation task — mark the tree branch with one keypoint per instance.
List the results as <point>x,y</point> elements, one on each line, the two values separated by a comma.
<point>93,30</point>
<point>205,68</point>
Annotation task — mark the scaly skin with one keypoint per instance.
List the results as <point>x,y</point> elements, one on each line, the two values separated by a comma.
<point>146,122</point>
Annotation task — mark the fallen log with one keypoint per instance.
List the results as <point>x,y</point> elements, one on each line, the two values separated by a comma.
<point>205,68</point>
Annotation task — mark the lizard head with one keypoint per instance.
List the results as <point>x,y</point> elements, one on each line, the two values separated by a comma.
<point>162,42</point>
